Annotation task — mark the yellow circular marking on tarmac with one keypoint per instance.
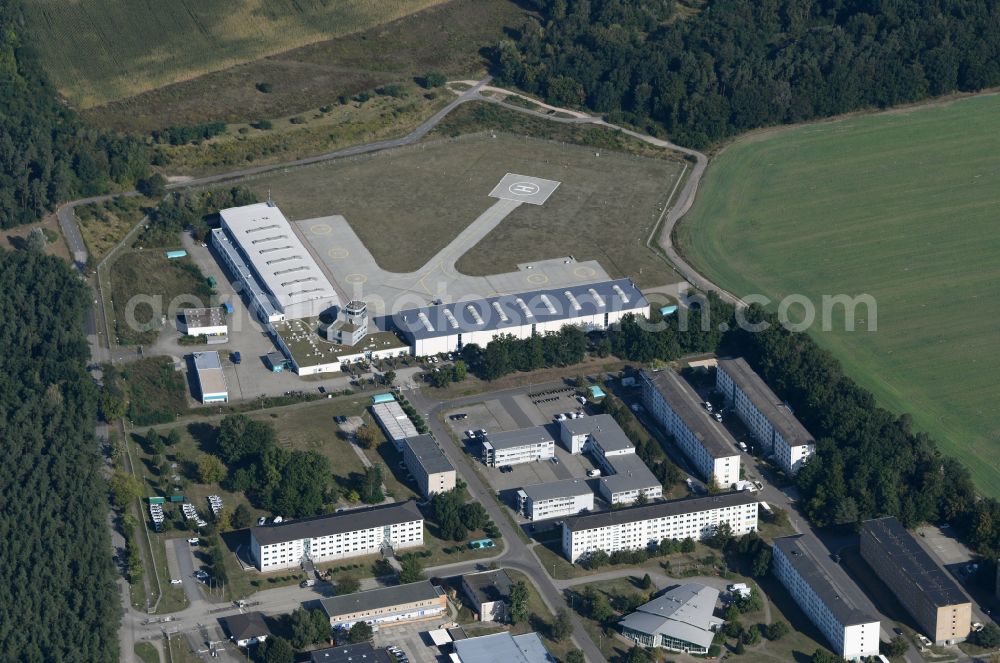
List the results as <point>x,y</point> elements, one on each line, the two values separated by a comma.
<point>585,272</point>
<point>537,279</point>
<point>356,278</point>
<point>338,253</point>
<point>320,229</point>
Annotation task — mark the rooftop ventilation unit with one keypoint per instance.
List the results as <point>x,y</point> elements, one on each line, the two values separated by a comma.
<point>269,239</point>
<point>621,293</point>
<point>452,322</point>
<point>271,262</point>
<point>572,300</point>
<point>500,312</point>
<point>597,298</point>
<point>305,292</point>
<point>260,228</point>
<point>275,248</point>
<point>524,308</point>
<point>548,304</point>
<point>425,321</point>
<point>305,280</point>
<point>475,314</point>
<point>300,268</point>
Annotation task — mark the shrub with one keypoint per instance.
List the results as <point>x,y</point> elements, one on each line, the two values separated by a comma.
<point>266,88</point>
<point>298,119</point>
<point>262,124</point>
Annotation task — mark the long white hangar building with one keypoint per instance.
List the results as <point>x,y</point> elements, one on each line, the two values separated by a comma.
<point>448,327</point>
<point>280,277</point>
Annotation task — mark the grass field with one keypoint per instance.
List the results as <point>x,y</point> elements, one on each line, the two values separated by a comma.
<point>177,283</point>
<point>901,205</point>
<point>448,37</point>
<point>423,196</point>
<point>102,50</point>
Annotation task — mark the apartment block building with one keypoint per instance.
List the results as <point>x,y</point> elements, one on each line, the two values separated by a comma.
<point>429,466</point>
<point>337,536</point>
<point>517,446</point>
<point>850,632</point>
<point>930,595</point>
<point>769,420</point>
<point>638,527</point>
<point>705,442</point>
<point>555,499</point>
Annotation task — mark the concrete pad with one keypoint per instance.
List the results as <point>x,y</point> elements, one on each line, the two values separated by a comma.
<point>524,189</point>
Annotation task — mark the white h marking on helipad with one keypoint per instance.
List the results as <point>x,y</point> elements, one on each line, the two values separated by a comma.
<point>523,188</point>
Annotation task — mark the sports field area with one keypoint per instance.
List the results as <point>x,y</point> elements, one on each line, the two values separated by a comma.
<point>903,205</point>
<point>101,50</point>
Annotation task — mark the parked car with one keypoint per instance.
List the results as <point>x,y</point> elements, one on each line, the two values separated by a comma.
<point>176,581</point>
<point>194,540</point>
<point>261,521</point>
<point>581,400</point>
<point>236,357</point>
<point>461,416</point>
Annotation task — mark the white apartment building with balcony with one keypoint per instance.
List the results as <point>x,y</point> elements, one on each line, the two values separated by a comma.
<point>337,536</point>
<point>850,632</point>
<point>638,527</point>
<point>769,420</point>
<point>706,442</point>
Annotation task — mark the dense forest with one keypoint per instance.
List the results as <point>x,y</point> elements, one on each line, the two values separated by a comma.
<point>869,462</point>
<point>57,595</point>
<point>46,154</point>
<point>736,65</point>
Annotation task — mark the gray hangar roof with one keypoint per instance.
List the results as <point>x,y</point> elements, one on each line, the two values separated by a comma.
<point>525,308</point>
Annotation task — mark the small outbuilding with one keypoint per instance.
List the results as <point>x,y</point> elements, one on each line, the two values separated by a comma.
<point>247,629</point>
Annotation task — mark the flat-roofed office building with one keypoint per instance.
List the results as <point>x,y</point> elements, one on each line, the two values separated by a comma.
<point>429,466</point>
<point>636,527</point>
<point>555,499</point>
<point>934,599</point>
<point>851,632</point>
<point>706,442</point>
<point>769,420</point>
<point>523,445</point>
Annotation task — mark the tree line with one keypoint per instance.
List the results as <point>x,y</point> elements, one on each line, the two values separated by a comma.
<point>738,65</point>
<point>58,600</point>
<point>869,462</point>
<point>47,155</point>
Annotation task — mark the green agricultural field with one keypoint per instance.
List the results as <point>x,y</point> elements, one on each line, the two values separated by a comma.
<point>902,205</point>
<point>101,50</point>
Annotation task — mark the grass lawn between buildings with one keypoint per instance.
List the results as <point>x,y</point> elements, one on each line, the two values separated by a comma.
<point>896,205</point>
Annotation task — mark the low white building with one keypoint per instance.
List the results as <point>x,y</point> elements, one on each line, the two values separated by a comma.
<point>212,385</point>
<point>209,322</point>
<point>429,466</point>
<point>247,629</point>
<point>337,536</point>
<point>705,442</point>
<point>769,420</point>
<point>385,606</point>
<point>431,330</point>
<point>523,445</point>
<point>850,632</point>
<point>639,527</point>
<point>555,499</point>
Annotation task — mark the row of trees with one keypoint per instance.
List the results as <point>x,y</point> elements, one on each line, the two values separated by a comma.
<point>455,517</point>
<point>738,65</point>
<point>869,462</point>
<point>197,210</point>
<point>58,600</point>
<point>46,154</point>
<point>506,354</point>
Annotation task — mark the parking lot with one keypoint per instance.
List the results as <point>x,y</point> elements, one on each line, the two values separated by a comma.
<point>413,640</point>
<point>523,411</point>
